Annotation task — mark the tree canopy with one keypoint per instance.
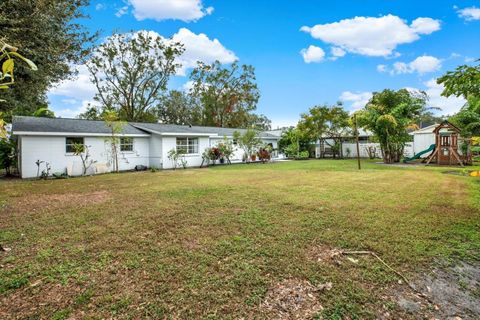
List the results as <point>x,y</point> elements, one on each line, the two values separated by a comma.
<point>464,81</point>
<point>388,114</point>
<point>131,73</point>
<point>50,34</point>
<point>468,118</point>
<point>228,95</point>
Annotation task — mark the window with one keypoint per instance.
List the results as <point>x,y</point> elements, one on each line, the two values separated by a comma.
<point>187,145</point>
<point>70,142</point>
<point>126,144</point>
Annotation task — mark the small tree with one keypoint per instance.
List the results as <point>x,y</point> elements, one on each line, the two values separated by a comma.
<point>177,158</point>
<point>248,141</point>
<point>388,114</point>
<point>116,127</point>
<point>226,149</point>
<point>8,158</point>
<point>83,152</point>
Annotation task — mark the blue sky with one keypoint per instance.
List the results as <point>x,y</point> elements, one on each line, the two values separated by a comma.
<point>305,52</point>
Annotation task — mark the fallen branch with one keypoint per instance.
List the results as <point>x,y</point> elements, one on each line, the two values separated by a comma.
<point>345,252</point>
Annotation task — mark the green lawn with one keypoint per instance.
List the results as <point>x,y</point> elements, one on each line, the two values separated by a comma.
<point>209,243</point>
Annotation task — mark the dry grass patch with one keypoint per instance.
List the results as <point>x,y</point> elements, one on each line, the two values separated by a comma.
<point>209,243</point>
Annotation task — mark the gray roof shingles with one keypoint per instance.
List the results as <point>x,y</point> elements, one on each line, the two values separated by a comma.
<point>58,125</point>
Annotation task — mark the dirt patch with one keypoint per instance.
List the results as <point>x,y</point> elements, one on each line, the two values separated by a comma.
<point>55,201</point>
<point>293,299</point>
<point>455,289</point>
<point>326,254</point>
<point>34,301</point>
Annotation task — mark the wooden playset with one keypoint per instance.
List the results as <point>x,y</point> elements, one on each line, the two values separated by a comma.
<point>446,146</point>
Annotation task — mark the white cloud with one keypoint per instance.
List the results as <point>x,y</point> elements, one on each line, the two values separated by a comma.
<point>382,68</point>
<point>421,65</point>
<point>336,53</point>
<point>448,105</point>
<point>100,6</point>
<point>77,93</point>
<point>186,10</point>
<point>372,36</point>
<point>187,86</point>
<point>469,14</point>
<point>73,111</point>
<point>80,88</point>
<point>122,11</point>
<point>312,54</point>
<point>357,100</point>
<point>199,47</point>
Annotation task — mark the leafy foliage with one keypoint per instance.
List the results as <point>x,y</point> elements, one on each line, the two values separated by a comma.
<point>177,157</point>
<point>294,141</point>
<point>44,112</point>
<point>248,141</point>
<point>178,107</point>
<point>227,96</point>
<point>388,114</point>
<point>49,33</point>
<point>468,118</point>
<point>331,122</point>
<point>8,157</point>
<point>464,81</point>
<point>131,72</point>
<point>116,126</point>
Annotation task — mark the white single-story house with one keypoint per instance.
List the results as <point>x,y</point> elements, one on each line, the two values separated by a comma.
<point>51,140</point>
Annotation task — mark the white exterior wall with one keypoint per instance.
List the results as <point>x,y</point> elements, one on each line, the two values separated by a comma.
<point>237,154</point>
<point>155,145</point>
<point>193,160</point>
<point>52,150</point>
<point>422,141</point>
<point>148,151</point>
<point>408,150</point>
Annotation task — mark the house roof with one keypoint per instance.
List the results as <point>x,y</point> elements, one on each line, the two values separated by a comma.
<point>22,125</point>
<point>428,129</point>
<point>163,128</point>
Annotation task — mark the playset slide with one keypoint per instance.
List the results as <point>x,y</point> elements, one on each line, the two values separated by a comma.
<point>421,153</point>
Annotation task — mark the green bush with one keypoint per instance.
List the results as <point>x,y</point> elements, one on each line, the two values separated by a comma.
<point>302,155</point>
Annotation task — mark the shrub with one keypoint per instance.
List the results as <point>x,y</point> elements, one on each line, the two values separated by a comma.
<point>302,155</point>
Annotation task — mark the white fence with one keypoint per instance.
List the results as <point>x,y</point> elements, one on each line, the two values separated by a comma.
<point>350,150</point>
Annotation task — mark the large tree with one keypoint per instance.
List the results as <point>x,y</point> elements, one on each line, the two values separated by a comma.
<point>464,81</point>
<point>468,118</point>
<point>329,122</point>
<point>228,95</point>
<point>50,34</point>
<point>131,73</point>
<point>178,107</point>
<point>388,115</point>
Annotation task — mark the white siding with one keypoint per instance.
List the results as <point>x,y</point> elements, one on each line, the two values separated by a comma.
<point>52,150</point>
<point>422,141</point>
<point>155,151</point>
<point>193,160</point>
<point>407,151</point>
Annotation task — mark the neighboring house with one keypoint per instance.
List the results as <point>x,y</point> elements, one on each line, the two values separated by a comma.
<point>147,144</point>
<point>323,146</point>
<point>423,139</point>
<point>368,148</point>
